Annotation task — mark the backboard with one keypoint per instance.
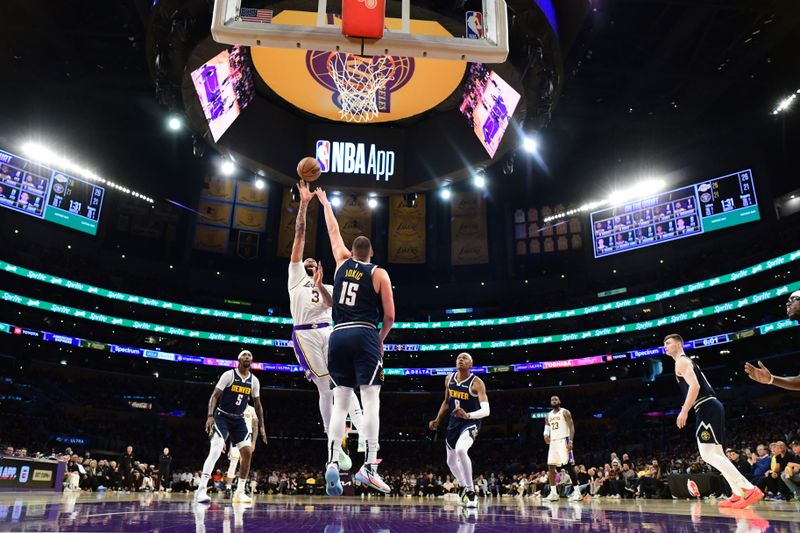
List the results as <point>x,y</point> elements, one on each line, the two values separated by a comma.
<point>488,45</point>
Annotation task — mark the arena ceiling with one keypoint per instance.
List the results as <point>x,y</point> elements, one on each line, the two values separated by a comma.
<point>643,80</point>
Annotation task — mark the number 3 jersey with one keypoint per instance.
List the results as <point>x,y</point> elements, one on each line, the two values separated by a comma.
<point>305,301</point>
<point>236,392</point>
<point>354,298</point>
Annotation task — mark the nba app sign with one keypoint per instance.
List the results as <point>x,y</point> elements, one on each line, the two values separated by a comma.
<point>337,157</point>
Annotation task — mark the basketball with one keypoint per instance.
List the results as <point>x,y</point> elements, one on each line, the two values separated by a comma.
<point>308,169</point>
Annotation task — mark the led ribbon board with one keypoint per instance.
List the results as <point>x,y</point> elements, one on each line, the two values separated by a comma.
<point>552,315</point>
<point>45,336</point>
<point>479,345</point>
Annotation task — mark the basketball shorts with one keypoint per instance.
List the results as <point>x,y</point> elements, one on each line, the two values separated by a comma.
<point>454,431</point>
<point>709,416</point>
<point>235,428</point>
<point>558,455</point>
<point>311,350</point>
<point>354,357</point>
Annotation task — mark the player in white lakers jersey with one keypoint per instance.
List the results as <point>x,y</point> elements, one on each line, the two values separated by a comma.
<point>310,302</point>
<point>559,432</point>
<point>251,421</point>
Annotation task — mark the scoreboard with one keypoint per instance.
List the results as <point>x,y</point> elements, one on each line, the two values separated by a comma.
<point>707,206</point>
<point>45,193</point>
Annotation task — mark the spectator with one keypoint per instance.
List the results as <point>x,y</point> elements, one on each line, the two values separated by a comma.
<point>126,464</point>
<point>165,471</point>
<point>760,462</point>
<point>791,472</point>
<point>741,464</point>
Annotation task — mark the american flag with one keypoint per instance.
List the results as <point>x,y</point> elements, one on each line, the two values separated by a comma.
<point>249,14</point>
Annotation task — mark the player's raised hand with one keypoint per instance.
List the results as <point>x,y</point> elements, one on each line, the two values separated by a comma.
<point>305,194</point>
<point>759,374</point>
<point>318,274</point>
<point>460,413</point>
<point>323,196</point>
<point>433,425</point>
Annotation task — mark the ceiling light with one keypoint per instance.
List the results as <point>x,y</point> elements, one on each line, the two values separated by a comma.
<point>260,184</point>
<point>174,123</point>
<point>445,193</point>
<point>530,145</point>
<point>227,167</point>
<point>479,180</point>
<point>336,200</point>
<point>372,203</point>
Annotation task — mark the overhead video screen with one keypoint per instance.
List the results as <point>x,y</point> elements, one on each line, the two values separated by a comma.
<point>49,194</point>
<point>700,208</point>
<point>489,103</point>
<point>224,86</point>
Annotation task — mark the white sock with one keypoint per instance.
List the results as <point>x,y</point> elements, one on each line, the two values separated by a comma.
<point>215,449</point>
<point>455,467</point>
<point>241,485</point>
<point>355,412</point>
<point>325,400</point>
<point>371,400</point>
<point>341,399</point>
<point>714,455</point>
<point>462,447</point>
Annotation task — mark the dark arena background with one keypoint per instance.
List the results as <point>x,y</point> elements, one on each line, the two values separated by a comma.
<point>625,170</point>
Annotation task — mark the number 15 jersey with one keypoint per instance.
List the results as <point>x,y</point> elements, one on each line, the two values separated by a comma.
<point>354,298</point>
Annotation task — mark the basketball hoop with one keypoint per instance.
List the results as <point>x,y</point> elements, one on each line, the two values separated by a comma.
<point>358,80</point>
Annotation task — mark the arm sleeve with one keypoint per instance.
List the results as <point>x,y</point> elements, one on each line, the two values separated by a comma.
<point>256,389</point>
<point>547,430</point>
<point>225,380</point>
<point>297,274</point>
<point>483,412</point>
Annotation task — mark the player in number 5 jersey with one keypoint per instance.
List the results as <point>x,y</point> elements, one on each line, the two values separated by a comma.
<point>362,298</point>
<point>226,418</point>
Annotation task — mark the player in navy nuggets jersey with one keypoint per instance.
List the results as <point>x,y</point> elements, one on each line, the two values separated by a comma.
<point>466,400</point>
<point>362,299</point>
<point>226,418</point>
<point>710,423</point>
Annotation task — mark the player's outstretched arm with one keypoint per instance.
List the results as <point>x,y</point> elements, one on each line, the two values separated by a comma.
<point>683,368</point>
<point>479,387</point>
<point>762,375</point>
<point>300,223</point>
<point>260,414</point>
<point>340,251</point>
<point>387,300</point>
<point>212,406</point>
<point>434,424</point>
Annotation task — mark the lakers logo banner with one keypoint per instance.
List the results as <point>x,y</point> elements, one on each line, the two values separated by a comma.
<point>286,230</point>
<point>468,232</point>
<point>355,219</point>
<point>211,239</point>
<point>215,213</point>
<point>248,193</point>
<point>217,188</point>
<point>406,231</point>
<point>250,218</point>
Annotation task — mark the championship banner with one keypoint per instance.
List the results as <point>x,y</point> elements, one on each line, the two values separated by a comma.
<point>250,218</point>
<point>214,213</point>
<point>406,231</point>
<point>288,219</point>
<point>211,239</point>
<point>468,231</point>
<point>355,219</point>
<point>248,193</point>
<point>247,245</point>
<point>218,188</point>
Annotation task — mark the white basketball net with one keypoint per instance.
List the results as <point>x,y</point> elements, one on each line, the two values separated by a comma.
<point>358,80</point>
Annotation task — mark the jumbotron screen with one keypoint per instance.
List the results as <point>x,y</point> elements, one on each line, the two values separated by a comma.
<point>489,103</point>
<point>46,193</point>
<point>714,204</point>
<point>224,86</point>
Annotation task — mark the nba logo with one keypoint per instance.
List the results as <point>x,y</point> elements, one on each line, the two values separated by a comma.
<point>474,25</point>
<point>324,155</point>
